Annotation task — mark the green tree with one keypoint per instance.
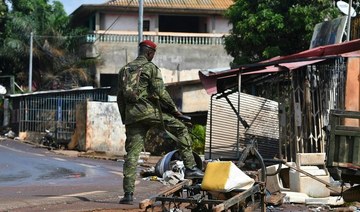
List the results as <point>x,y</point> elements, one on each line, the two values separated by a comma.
<point>263,29</point>
<point>3,13</point>
<point>54,45</point>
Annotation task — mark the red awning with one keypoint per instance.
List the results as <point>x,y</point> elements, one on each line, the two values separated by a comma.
<point>279,67</point>
<point>280,63</point>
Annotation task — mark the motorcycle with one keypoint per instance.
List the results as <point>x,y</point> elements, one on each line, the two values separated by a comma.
<point>49,141</point>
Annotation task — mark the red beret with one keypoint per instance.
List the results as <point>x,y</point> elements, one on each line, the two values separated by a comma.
<point>148,43</point>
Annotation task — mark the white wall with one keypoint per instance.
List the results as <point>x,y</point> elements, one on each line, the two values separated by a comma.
<point>222,25</point>
<point>128,22</point>
<point>123,22</point>
<point>153,21</point>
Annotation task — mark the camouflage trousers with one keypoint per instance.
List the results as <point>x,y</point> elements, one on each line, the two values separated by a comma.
<point>135,138</point>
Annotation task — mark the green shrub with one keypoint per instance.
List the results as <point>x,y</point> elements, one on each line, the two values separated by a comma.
<point>159,143</point>
<point>197,134</point>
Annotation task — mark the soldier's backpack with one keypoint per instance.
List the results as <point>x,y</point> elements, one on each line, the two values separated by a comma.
<point>130,79</point>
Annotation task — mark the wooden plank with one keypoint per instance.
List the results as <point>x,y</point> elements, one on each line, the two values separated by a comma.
<point>345,114</point>
<point>347,133</point>
<point>147,202</point>
<point>275,198</point>
<point>346,165</point>
<point>356,153</point>
<point>331,143</point>
<point>191,200</point>
<point>343,149</point>
<point>344,145</point>
<point>347,128</point>
<point>237,198</point>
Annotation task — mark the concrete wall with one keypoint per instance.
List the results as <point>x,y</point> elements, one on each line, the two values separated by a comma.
<point>173,57</point>
<point>190,98</point>
<point>179,64</point>
<point>99,128</point>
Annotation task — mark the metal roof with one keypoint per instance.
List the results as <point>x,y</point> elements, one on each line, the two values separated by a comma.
<point>276,64</point>
<point>181,4</point>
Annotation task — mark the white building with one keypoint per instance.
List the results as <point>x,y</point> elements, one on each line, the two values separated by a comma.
<point>189,34</point>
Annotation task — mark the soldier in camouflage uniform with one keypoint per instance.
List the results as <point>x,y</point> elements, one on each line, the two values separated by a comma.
<point>138,101</point>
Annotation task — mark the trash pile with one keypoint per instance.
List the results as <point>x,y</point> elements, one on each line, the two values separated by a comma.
<point>173,176</point>
<point>306,182</point>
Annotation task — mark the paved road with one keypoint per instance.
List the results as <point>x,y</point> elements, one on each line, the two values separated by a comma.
<point>33,179</point>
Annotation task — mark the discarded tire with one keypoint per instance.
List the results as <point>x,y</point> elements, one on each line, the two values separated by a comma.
<point>163,164</point>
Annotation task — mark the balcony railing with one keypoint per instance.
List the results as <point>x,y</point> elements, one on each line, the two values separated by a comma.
<point>158,37</point>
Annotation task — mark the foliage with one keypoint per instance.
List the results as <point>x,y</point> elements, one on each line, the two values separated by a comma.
<point>198,137</point>
<point>55,45</point>
<point>263,29</point>
<point>159,143</point>
<point>3,13</point>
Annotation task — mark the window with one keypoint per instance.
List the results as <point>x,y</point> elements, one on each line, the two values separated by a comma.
<point>146,25</point>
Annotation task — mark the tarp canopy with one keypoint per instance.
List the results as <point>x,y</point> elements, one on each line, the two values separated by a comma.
<point>210,79</point>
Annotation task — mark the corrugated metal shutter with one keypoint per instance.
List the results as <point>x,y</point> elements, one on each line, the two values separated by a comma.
<point>222,134</point>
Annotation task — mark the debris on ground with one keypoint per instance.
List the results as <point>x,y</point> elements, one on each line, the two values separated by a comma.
<point>172,176</point>
<point>11,134</point>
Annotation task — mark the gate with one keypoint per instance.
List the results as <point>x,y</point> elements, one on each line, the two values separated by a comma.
<point>51,110</point>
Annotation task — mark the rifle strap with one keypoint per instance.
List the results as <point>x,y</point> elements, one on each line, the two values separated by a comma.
<point>172,136</point>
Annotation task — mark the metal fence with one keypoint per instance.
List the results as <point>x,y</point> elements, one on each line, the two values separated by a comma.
<point>315,91</point>
<point>51,110</point>
<point>306,96</point>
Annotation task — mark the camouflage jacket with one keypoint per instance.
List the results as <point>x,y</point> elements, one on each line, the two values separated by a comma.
<point>151,86</point>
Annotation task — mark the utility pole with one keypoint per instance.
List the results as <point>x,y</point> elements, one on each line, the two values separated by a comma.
<point>30,61</point>
<point>140,23</point>
<point>349,21</point>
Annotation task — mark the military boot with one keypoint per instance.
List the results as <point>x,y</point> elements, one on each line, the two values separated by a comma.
<point>127,199</point>
<point>194,172</point>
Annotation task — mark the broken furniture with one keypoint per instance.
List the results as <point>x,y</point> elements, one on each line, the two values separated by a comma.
<point>314,164</point>
<point>277,177</point>
<point>190,194</point>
